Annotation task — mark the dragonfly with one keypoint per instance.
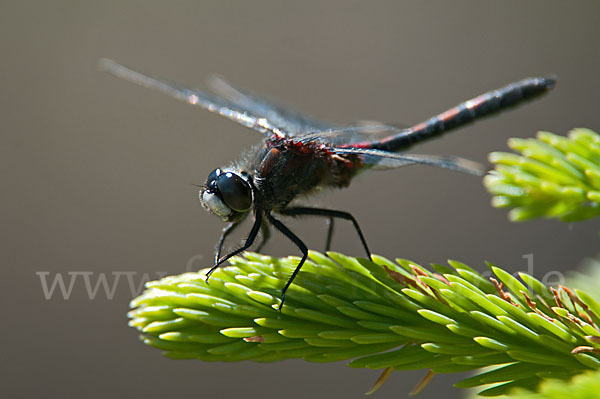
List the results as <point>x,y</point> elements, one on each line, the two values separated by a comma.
<point>300,155</point>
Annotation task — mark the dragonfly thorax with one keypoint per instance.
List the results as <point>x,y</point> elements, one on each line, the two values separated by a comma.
<point>227,194</point>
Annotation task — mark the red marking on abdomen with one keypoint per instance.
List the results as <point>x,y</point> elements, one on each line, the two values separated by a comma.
<point>451,113</point>
<point>476,102</point>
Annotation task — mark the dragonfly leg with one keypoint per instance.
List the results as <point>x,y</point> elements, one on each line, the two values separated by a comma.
<point>330,229</point>
<point>330,213</point>
<point>266,234</point>
<point>303,248</point>
<point>226,231</point>
<point>249,241</point>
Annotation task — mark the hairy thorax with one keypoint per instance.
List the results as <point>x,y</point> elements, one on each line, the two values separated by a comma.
<point>284,169</point>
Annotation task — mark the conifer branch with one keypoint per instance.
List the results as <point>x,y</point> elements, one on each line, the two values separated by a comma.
<point>377,314</point>
<point>554,177</point>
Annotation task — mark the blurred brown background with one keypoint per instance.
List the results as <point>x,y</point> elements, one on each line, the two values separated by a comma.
<point>97,173</point>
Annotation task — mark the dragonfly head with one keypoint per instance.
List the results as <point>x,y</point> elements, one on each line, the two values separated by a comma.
<point>227,194</point>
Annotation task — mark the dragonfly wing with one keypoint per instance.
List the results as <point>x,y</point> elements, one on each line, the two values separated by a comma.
<point>293,122</point>
<point>210,102</point>
<point>389,160</point>
<point>298,124</point>
<point>352,135</point>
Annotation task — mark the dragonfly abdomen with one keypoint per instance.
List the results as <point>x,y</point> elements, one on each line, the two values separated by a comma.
<point>486,104</point>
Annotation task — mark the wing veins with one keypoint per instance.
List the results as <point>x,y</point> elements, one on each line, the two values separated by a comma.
<point>207,101</point>
<point>387,160</point>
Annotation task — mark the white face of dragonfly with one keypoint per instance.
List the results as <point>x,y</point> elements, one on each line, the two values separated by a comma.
<point>215,205</point>
<point>226,194</point>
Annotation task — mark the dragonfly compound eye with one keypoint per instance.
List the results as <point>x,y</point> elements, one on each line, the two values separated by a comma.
<point>235,191</point>
<point>211,181</point>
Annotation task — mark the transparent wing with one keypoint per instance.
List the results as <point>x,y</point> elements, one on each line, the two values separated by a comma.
<point>348,136</point>
<point>298,124</point>
<point>255,112</point>
<point>292,122</point>
<point>210,102</point>
<point>388,160</point>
